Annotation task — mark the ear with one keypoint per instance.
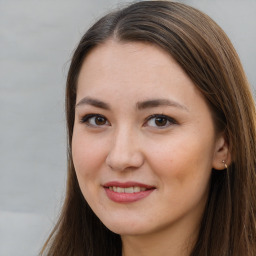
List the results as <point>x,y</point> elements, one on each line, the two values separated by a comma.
<point>221,154</point>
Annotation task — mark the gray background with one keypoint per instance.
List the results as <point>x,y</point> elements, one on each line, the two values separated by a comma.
<point>36,42</point>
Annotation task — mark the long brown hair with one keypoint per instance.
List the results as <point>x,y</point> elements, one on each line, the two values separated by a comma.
<point>203,50</point>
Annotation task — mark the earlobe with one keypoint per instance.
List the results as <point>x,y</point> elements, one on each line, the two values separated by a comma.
<point>222,157</point>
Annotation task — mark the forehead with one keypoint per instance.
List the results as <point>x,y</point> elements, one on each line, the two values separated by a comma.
<point>133,63</point>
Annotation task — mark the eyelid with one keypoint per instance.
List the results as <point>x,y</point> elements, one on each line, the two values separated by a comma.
<point>171,120</point>
<point>86,118</point>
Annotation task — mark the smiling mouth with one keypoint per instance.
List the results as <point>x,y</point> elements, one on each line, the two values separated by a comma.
<point>128,190</point>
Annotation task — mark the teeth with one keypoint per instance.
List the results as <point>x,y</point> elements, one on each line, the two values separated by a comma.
<point>136,189</point>
<point>129,190</point>
<point>119,190</point>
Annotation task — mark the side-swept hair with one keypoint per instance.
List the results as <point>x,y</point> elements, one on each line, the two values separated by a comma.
<point>205,53</point>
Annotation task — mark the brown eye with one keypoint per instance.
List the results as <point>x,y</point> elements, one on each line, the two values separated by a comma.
<point>161,121</point>
<point>95,120</point>
<point>99,120</point>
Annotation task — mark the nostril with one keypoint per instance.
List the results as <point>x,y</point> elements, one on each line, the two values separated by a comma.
<point>125,151</point>
<point>124,161</point>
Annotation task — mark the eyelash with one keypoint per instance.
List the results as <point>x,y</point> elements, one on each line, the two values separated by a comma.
<point>167,119</point>
<point>87,118</point>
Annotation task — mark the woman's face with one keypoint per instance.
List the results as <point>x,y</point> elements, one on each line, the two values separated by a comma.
<point>144,142</point>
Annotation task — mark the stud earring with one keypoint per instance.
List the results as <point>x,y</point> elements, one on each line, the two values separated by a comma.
<point>223,161</point>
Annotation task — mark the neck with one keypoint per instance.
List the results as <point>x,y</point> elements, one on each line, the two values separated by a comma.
<point>176,243</point>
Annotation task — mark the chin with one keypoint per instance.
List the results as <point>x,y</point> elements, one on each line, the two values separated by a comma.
<point>127,231</point>
<point>127,227</point>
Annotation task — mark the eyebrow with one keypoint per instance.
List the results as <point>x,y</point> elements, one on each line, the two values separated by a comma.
<point>159,102</point>
<point>93,102</point>
<point>152,103</point>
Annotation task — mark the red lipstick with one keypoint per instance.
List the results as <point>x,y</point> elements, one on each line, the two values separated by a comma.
<point>127,192</point>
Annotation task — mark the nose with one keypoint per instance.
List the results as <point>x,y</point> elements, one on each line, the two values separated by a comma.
<point>125,152</point>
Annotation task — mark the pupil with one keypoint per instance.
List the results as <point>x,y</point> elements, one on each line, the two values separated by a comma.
<point>100,120</point>
<point>160,121</point>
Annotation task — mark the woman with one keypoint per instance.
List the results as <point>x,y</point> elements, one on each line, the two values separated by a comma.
<point>161,128</point>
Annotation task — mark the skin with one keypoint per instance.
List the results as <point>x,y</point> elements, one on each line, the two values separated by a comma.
<point>128,144</point>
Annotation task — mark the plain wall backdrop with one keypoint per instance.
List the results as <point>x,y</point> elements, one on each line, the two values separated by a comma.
<point>36,43</point>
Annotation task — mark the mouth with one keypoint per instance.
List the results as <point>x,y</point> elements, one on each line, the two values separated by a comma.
<point>127,192</point>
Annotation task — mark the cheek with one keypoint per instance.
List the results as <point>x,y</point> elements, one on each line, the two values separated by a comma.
<point>184,161</point>
<point>87,155</point>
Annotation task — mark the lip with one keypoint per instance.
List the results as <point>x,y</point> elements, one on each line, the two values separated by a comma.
<point>127,197</point>
<point>127,184</point>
